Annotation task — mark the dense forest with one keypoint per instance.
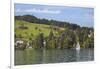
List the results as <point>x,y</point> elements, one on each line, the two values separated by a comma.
<point>33,32</point>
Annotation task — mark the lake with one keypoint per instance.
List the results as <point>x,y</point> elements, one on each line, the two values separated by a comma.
<point>43,56</point>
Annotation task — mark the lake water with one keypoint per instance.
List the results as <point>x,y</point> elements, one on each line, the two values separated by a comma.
<point>43,56</point>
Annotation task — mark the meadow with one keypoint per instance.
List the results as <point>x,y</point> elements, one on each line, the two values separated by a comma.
<point>29,30</point>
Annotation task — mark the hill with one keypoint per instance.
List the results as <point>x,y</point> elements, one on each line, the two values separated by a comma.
<point>55,34</point>
<point>31,30</point>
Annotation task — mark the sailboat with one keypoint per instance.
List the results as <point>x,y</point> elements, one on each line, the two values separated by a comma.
<point>78,46</point>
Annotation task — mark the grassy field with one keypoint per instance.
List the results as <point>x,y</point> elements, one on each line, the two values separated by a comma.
<point>31,30</point>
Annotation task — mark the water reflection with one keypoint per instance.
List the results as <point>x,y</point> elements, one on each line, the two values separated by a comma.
<point>40,56</point>
<point>77,55</point>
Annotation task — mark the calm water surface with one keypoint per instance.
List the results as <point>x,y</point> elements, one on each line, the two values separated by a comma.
<point>42,56</point>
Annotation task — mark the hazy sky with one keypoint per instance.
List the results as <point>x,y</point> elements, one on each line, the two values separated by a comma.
<point>77,15</point>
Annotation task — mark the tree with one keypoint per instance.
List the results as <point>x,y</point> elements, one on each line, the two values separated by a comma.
<point>89,42</point>
<point>51,41</point>
<point>39,41</point>
<point>51,35</point>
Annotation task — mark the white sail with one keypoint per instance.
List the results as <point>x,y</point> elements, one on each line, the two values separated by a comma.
<point>78,46</point>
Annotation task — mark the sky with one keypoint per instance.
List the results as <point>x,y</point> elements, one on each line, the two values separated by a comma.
<point>77,15</point>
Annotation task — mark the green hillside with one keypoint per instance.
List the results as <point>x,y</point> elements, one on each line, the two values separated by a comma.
<point>28,30</point>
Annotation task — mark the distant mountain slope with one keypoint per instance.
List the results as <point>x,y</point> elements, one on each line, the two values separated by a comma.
<point>33,19</point>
